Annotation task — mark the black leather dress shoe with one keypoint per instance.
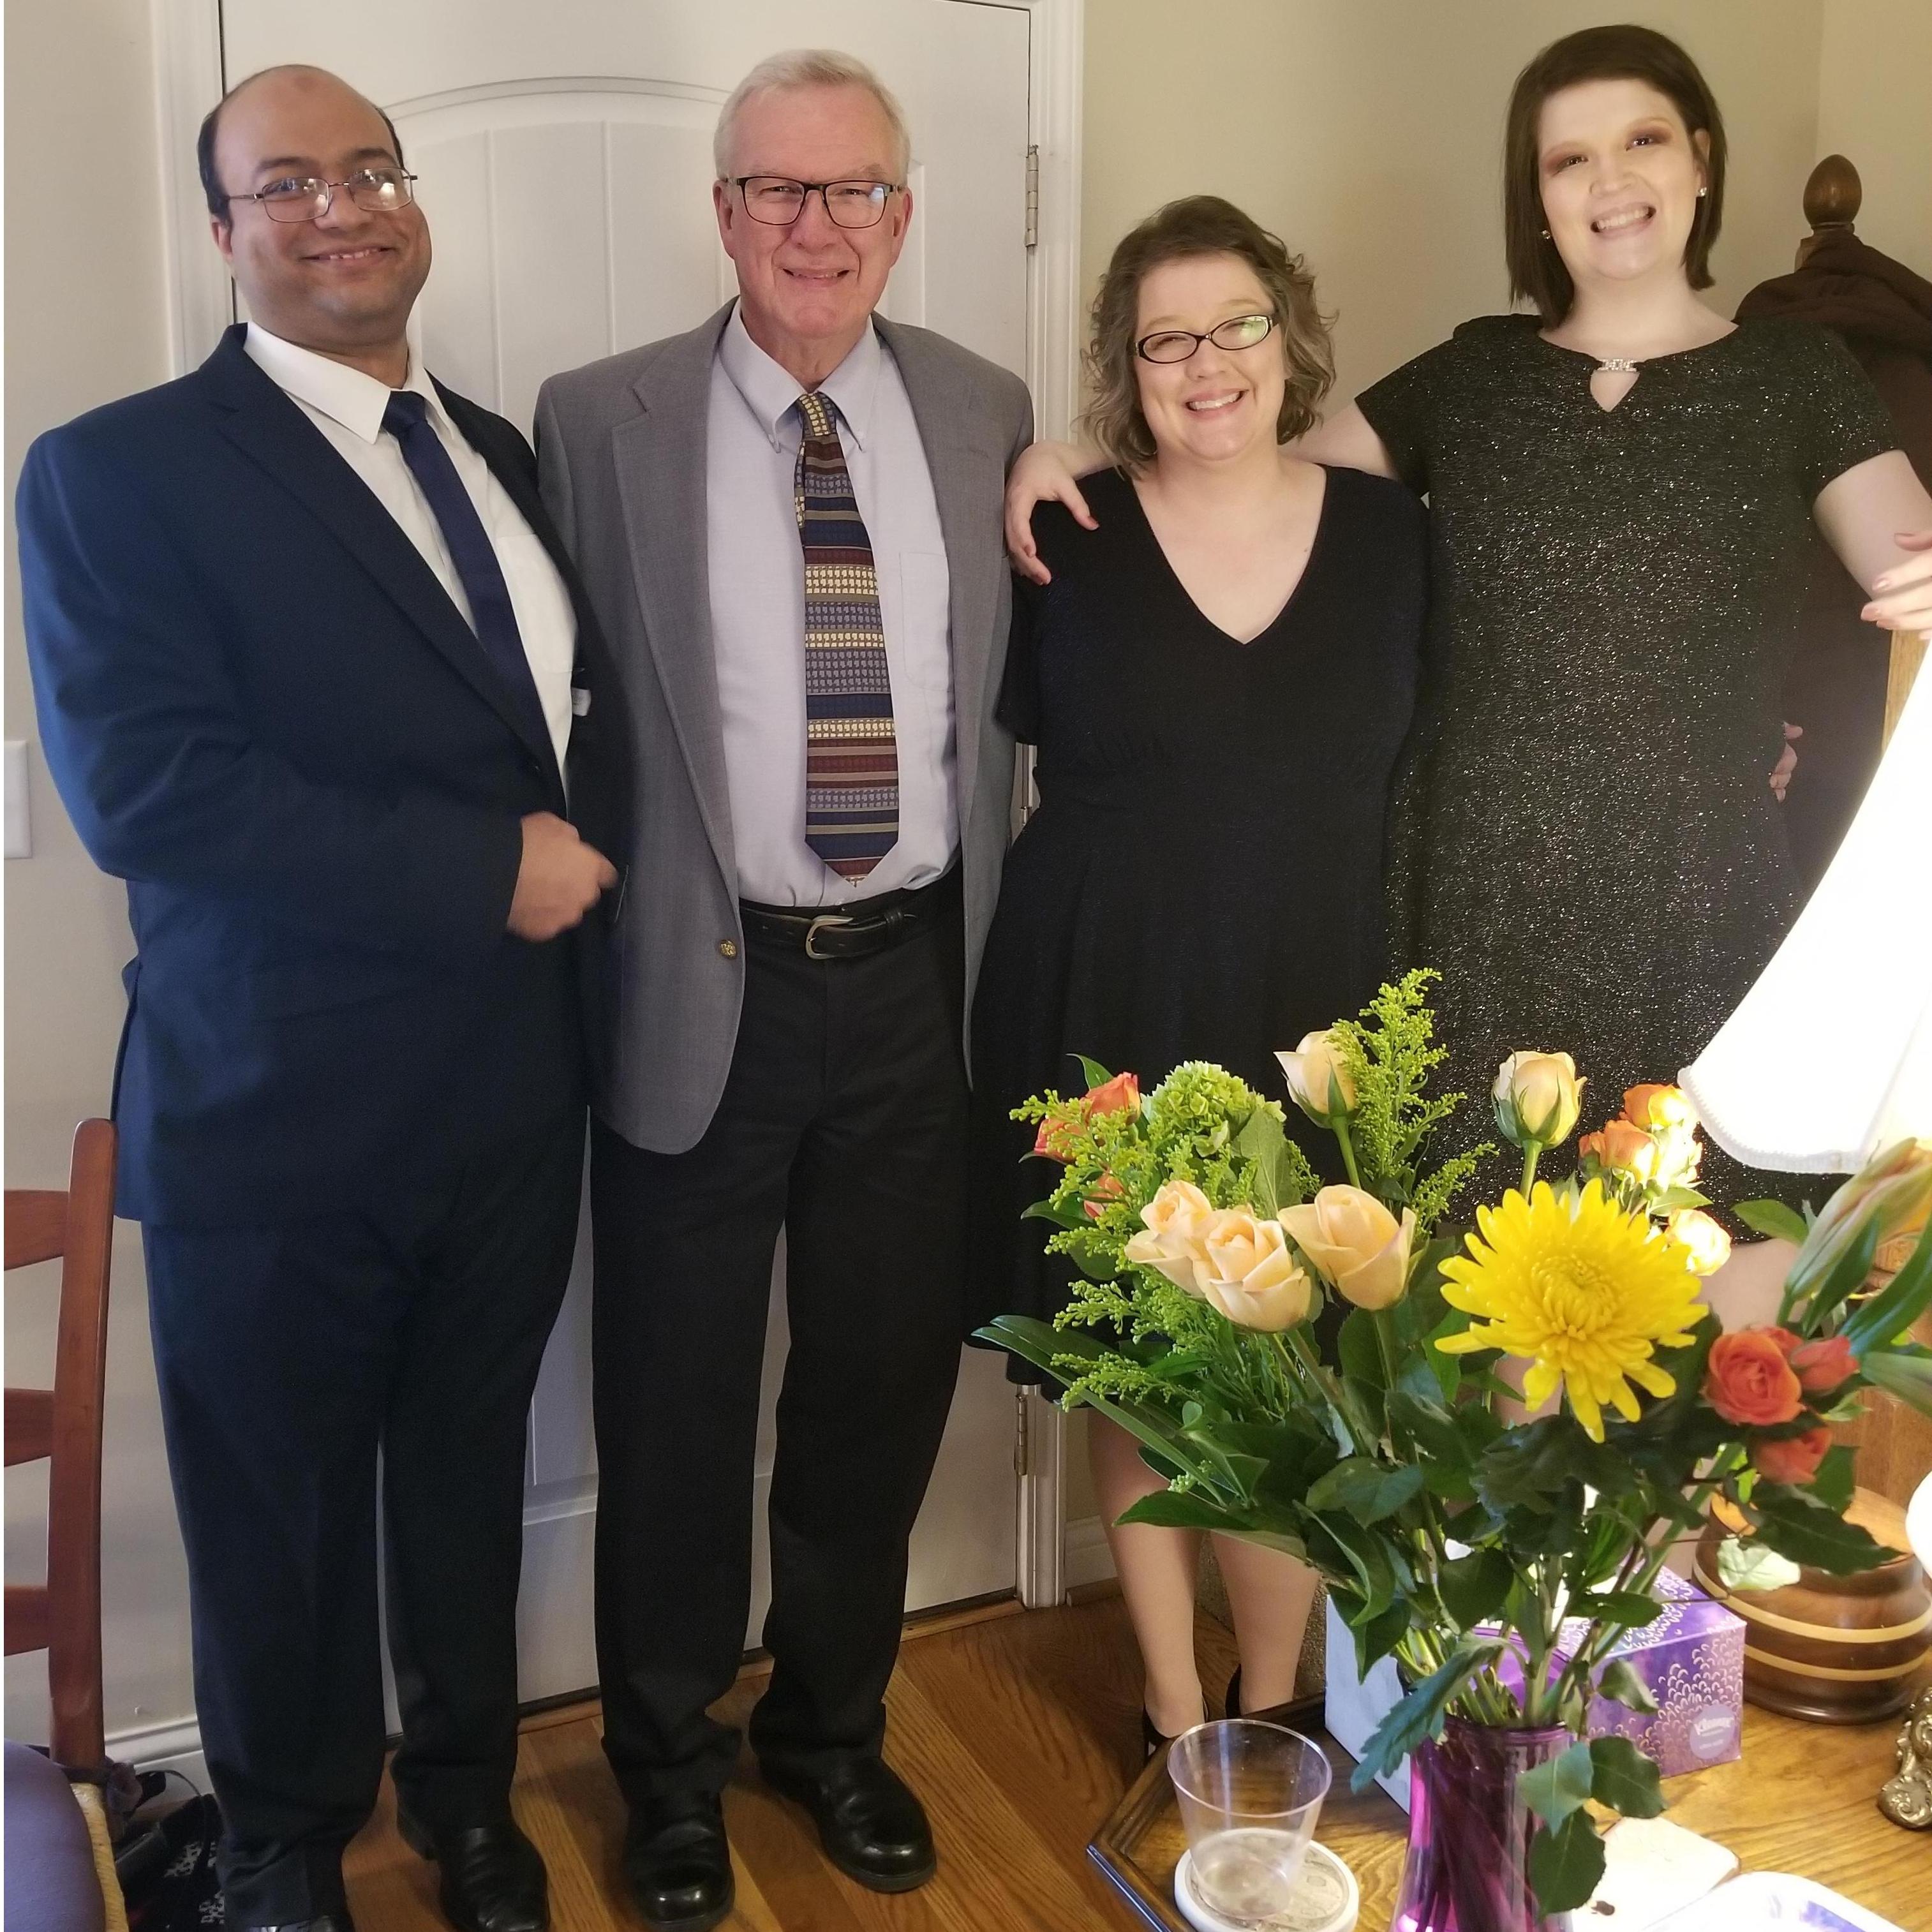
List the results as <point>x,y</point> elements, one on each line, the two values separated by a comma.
<point>678,1863</point>
<point>871,1826</point>
<point>493,1877</point>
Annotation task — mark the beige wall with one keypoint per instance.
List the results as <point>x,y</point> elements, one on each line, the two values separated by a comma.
<point>1367,134</point>
<point>1875,64</point>
<point>1365,131</point>
<point>84,324</point>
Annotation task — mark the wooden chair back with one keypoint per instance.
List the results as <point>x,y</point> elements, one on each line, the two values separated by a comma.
<point>63,1424</point>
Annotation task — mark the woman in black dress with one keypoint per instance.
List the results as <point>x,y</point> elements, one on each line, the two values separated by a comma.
<point>1624,488</point>
<point>1218,682</point>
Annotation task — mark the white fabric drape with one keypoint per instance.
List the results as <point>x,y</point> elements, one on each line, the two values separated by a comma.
<point>1829,1058</point>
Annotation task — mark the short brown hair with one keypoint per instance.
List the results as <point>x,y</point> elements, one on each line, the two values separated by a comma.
<point>1600,53</point>
<point>1201,224</point>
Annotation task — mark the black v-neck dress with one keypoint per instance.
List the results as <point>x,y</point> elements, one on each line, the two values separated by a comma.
<point>1202,879</point>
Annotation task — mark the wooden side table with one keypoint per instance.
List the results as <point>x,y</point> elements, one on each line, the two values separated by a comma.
<point>1803,1798</point>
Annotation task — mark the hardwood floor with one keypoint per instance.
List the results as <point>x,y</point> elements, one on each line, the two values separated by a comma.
<point>1020,1729</point>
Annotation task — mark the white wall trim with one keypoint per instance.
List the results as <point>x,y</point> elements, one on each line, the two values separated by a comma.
<point>1053,292</point>
<point>189,78</point>
<point>1089,1557</point>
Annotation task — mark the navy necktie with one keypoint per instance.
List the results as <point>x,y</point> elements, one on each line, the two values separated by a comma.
<point>406,419</point>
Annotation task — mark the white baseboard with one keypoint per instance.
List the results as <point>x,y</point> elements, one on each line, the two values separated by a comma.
<point>176,1746</point>
<point>1088,1559</point>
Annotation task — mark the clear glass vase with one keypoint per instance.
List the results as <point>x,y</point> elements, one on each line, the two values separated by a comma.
<point>1469,1832</point>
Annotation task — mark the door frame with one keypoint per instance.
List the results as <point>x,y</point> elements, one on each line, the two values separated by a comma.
<point>190,74</point>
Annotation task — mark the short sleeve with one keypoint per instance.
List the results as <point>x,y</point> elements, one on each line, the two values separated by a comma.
<point>1840,421</point>
<point>1018,708</point>
<point>1405,409</point>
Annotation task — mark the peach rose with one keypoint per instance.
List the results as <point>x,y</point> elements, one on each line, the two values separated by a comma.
<point>1357,1246</point>
<point>1748,1381</point>
<point>1255,1282</point>
<point>1316,1077</point>
<point>1172,1241</point>
<point>1625,1149</point>
<point>1537,1097</point>
<point>1791,1458</point>
<point>1823,1364</point>
<point>1706,1243</point>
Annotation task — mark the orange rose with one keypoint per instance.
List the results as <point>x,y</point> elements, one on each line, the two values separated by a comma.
<point>1791,1458</point>
<point>1628,1150</point>
<point>1120,1095</point>
<point>1654,1107</point>
<point>1823,1364</point>
<point>1105,1189</point>
<point>1749,1381</point>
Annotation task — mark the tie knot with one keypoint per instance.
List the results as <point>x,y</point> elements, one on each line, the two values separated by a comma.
<point>817,411</point>
<point>404,411</point>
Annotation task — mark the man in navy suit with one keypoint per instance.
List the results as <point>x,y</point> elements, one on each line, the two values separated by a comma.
<point>316,678</point>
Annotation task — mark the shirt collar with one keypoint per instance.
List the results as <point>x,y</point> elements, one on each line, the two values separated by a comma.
<point>344,395</point>
<point>770,392</point>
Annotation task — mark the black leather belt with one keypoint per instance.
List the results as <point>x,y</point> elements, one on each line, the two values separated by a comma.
<point>853,932</point>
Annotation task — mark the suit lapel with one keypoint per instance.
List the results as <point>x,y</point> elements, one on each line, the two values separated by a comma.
<point>944,412</point>
<point>660,459</point>
<point>267,426</point>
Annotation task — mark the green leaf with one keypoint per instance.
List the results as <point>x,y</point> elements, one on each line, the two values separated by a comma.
<point>1419,1715</point>
<point>1366,1489</point>
<point>1773,1219</point>
<point>1893,1310</point>
<point>1753,1566</point>
<point>1187,1509</point>
<point>1555,1788</point>
<point>1621,1684</point>
<point>1369,1554</point>
<point>1566,1865</point>
<point>1376,1637</point>
<point>1798,1526</point>
<point>1672,1198</point>
<point>1626,1779</point>
<point>1843,1278</point>
<point>1532,1466</point>
<point>1473,1587</point>
<point>1447,1369</point>
<point>1630,1608</point>
<point>1097,1076</point>
<point>1071,1217</point>
<point>1833,1483</point>
<point>1908,1377</point>
<point>1358,1351</point>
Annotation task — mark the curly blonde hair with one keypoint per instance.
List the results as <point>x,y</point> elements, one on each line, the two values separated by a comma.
<point>1200,224</point>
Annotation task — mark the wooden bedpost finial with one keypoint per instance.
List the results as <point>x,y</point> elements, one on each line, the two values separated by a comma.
<point>1831,200</point>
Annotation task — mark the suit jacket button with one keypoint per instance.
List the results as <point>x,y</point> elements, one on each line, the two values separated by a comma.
<point>729,948</point>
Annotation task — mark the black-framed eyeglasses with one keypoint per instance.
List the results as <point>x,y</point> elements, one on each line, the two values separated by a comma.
<point>304,198</point>
<point>1176,345</point>
<point>778,201</point>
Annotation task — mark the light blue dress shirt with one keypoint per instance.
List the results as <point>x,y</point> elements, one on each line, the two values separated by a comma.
<point>757,579</point>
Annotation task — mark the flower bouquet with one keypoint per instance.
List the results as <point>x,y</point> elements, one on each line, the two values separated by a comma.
<point>1471,1439</point>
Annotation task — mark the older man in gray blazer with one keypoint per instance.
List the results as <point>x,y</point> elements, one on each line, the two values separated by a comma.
<point>789,523</point>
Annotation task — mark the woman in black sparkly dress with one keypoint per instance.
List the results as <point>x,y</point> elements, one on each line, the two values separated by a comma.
<point>1625,488</point>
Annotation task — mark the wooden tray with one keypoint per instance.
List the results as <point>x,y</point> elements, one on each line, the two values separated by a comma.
<point>1140,1845</point>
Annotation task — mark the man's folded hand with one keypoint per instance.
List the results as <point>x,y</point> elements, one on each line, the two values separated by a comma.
<point>560,879</point>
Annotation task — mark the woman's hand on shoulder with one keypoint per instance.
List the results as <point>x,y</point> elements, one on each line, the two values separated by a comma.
<point>1046,472</point>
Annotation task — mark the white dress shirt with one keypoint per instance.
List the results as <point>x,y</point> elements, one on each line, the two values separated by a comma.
<point>757,579</point>
<point>347,406</point>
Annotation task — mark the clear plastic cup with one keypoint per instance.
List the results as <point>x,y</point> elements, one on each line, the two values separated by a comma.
<point>1250,1794</point>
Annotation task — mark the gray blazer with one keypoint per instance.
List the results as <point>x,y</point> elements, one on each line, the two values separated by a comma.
<point>621,448</point>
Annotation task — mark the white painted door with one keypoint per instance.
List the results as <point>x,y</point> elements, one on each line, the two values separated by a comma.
<point>565,156</point>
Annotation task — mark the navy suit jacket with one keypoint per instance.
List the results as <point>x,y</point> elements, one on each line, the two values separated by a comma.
<point>265,713</point>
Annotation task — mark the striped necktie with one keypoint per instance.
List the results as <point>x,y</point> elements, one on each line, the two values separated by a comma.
<point>851,756</point>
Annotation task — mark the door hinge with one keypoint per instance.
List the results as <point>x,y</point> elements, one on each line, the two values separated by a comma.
<point>1022,1444</point>
<point>1032,198</point>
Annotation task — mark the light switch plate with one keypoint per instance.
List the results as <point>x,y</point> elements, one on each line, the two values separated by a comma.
<point>19,829</point>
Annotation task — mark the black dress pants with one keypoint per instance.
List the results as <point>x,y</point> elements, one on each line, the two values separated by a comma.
<point>843,1120</point>
<point>288,1356</point>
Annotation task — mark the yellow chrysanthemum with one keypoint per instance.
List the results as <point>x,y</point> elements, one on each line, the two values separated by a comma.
<point>1587,1291</point>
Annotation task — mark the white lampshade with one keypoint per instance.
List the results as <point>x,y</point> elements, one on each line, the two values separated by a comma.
<point>1919,1524</point>
<point>1829,1058</point>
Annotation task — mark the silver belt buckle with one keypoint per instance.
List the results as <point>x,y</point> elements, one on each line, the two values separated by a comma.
<point>811,932</point>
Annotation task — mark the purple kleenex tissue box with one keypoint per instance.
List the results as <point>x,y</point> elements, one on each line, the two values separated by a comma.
<point>1691,1659</point>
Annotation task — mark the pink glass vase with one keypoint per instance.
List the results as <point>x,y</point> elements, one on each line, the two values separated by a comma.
<point>1469,1832</point>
